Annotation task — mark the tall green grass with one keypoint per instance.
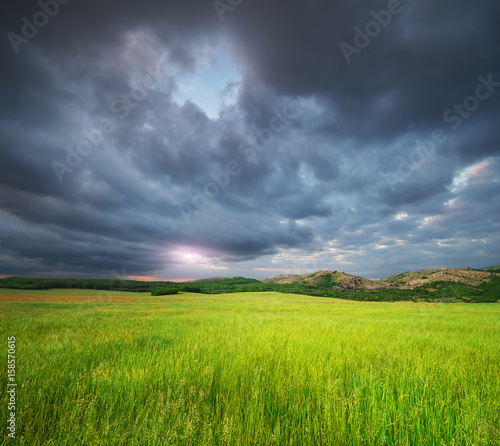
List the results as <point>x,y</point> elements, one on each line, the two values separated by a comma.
<point>251,369</point>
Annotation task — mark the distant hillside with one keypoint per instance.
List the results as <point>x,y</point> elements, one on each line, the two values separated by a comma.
<point>407,280</point>
<point>465,276</point>
<point>330,279</point>
<point>226,280</point>
<point>286,278</point>
<point>431,285</point>
<point>207,279</point>
<point>491,269</point>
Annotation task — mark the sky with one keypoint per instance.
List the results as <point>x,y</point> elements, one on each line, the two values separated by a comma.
<point>186,139</point>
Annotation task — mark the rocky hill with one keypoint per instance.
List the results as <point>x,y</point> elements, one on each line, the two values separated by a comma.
<point>465,276</point>
<point>407,280</point>
<point>330,279</point>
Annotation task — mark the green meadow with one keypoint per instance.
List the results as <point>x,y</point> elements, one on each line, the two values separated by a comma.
<point>248,369</point>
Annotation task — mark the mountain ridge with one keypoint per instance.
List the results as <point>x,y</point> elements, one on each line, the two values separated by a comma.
<point>406,280</point>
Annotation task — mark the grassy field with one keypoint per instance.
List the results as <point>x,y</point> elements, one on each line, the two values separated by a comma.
<point>111,368</point>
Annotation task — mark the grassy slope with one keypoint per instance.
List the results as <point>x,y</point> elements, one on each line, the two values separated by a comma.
<point>251,368</point>
<point>287,278</point>
<point>492,269</point>
<point>227,280</point>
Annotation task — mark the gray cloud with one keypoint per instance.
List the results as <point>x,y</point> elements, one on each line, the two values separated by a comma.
<point>309,160</point>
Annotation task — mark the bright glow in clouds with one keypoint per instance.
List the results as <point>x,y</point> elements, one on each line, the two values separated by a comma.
<point>186,255</point>
<point>401,216</point>
<point>478,171</point>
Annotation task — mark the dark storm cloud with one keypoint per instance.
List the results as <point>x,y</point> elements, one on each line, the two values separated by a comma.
<point>311,154</point>
<point>417,66</point>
